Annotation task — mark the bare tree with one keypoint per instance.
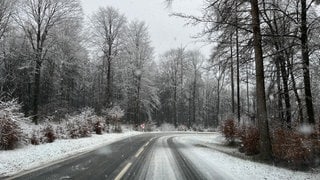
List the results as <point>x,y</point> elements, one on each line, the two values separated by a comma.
<point>197,61</point>
<point>6,10</point>
<point>38,18</point>
<point>7,87</point>
<point>108,31</point>
<point>139,55</point>
<point>172,63</point>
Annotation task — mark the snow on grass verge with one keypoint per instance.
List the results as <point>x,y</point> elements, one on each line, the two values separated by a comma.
<point>211,161</point>
<point>30,157</point>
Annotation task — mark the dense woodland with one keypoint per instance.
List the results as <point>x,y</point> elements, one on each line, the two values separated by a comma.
<point>263,70</point>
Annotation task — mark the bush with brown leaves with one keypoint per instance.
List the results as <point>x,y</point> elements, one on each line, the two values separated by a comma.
<point>34,140</point>
<point>229,130</point>
<point>250,140</point>
<point>98,127</point>
<point>292,147</point>
<point>49,135</point>
<point>10,133</point>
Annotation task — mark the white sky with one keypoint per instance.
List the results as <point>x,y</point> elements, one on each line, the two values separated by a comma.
<point>165,32</point>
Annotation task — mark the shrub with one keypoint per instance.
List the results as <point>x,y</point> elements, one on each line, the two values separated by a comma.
<point>98,127</point>
<point>34,140</point>
<point>61,132</point>
<point>10,133</point>
<point>84,130</point>
<point>229,130</point>
<point>49,135</point>
<point>81,125</point>
<point>292,147</point>
<point>113,118</point>
<point>77,129</point>
<point>315,136</point>
<point>250,140</point>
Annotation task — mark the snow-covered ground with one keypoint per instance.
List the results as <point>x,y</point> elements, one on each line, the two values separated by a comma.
<point>211,162</point>
<point>30,157</point>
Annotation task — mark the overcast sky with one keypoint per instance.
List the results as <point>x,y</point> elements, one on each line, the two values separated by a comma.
<point>165,32</point>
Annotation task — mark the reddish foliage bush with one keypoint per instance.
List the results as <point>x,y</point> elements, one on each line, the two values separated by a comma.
<point>10,133</point>
<point>229,130</point>
<point>315,137</point>
<point>98,127</point>
<point>316,143</point>
<point>292,147</point>
<point>250,140</point>
<point>49,134</point>
<point>34,140</point>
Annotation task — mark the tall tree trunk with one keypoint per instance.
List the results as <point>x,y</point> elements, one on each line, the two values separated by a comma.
<point>232,75</point>
<point>37,73</point>
<point>175,106</point>
<point>238,68</point>
<point>189,112</point>
<point>294,87</point>
<point>207,108</point>
<point>247,83</point>
<point>138,120</point>
<point>306,62</point>
<point>36,92</point>
<point>265,143</point>
<point>280,105</point>
<point>218,103</point>
<point>109,91</point>
<point>284,76</point>
<point>194,98</point>
<point>108,101</point>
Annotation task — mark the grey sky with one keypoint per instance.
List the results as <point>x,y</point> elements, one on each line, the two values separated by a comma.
<point>165,32</point>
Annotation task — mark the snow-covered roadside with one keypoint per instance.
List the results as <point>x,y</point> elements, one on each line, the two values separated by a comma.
<point>235,168</point>
<point>30,157</point>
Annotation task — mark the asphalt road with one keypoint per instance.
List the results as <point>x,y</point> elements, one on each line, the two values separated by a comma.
<point>146,156</point>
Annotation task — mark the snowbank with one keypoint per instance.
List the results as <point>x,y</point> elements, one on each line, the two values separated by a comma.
<point>30,157</point>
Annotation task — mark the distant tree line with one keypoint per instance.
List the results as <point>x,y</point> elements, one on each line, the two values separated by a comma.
<point>56,62</point>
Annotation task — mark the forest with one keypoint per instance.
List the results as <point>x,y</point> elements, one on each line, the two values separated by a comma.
<point>263,72</point>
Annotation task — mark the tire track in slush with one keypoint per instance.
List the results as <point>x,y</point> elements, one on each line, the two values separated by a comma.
<point>132,170</point>
<point>185,165</point>
<point>146,165</point>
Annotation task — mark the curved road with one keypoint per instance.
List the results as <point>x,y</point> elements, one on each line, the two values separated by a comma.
<point>146,156</point>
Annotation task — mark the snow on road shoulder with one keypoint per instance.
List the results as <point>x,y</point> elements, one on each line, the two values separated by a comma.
<point>213,161</point>
<point>30,157</point>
